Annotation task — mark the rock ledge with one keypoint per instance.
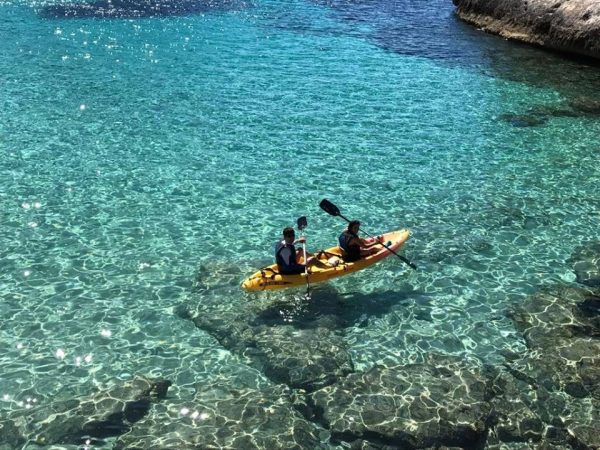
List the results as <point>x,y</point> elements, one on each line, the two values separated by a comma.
<point>571,26</point>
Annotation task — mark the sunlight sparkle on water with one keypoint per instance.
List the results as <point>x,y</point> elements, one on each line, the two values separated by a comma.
<point>145,213</point>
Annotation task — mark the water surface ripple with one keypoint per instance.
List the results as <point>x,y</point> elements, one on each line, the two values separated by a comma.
<point>149,163</point>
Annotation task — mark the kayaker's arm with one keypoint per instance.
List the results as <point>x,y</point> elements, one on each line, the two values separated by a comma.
<point>365,244</point>
<point>310,257</point>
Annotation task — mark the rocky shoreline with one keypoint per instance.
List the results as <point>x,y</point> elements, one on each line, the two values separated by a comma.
<point>571,26</point>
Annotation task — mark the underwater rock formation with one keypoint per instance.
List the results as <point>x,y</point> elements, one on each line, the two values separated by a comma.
<point>586,263</point>
<point>137,8</point>
<point>522,120</point>
<point>582,107</point>
<point>295,342</point>
<point>440,402</point>
<point>566,25</point>
<point>220,416</point>
<point>515,418</point>
<point>547,397</point>
<point>308,357</point>
<point>561,326</point>
<point>108,413</point>
<point>586,105</point>
<point>10,435</point>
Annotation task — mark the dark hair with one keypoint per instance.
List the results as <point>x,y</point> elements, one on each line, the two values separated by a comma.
<point>288,232</point>
<point>352,223</point>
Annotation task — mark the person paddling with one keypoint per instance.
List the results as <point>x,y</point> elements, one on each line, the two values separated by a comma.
<point>353,246</point>
<point>286,255</point>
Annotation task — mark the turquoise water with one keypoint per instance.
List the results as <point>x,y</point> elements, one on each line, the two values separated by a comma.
<point>150,163</point>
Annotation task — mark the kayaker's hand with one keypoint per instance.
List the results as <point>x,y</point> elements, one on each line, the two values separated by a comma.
<point>301,240</point>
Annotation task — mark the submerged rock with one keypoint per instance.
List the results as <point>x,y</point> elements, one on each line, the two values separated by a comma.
<point>566,25</point>
<point>109,413</point>
<point>586,263</point>
<point>558,319</point>
<point>11,436</point>
<point>440,402</point>
<point>590,310</point>
<point>516,420</point>
<point>539,115</point>
<point>300,358</point>
<point>306,357</point>
<point>561,327</point>
<point>586,105</point>
<point>552,111</point>
<point>221,416</point>
<point>522,120</point>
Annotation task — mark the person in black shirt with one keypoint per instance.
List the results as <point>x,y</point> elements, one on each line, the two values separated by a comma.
<point>353,246</point>
<point>286,255</point>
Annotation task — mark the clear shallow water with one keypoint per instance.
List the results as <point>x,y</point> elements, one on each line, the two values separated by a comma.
<point>152,162</point>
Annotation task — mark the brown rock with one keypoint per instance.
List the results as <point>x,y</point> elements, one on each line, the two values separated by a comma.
<point>571,26</point>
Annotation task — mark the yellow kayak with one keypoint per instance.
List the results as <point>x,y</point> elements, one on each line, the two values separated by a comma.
<point>330,265</point>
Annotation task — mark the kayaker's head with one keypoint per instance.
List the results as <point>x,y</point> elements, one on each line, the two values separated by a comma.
<point>354,226</point>
<point>289,235</point>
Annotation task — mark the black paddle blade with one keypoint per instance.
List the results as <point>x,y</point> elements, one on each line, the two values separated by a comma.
<point>329,207</point>
<point>302,223</point>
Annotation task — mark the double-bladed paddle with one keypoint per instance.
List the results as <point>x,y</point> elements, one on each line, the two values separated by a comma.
<point>333,210</point>
<point>302,223</point>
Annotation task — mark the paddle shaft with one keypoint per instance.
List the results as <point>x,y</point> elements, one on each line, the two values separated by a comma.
<point>406,261</point>
<point>305,265</point>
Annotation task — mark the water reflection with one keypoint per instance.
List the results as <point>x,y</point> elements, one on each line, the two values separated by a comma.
<point>137,8</point>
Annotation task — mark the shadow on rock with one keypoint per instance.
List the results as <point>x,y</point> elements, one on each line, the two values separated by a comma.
<point>590,310</point>
<point>138,8</point>
<point>326,308</point>
<point>108,413</point>
<point>292,339</point>
<point>306,358</point>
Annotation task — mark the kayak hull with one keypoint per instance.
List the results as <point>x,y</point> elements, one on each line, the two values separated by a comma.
<point>329,266</point>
